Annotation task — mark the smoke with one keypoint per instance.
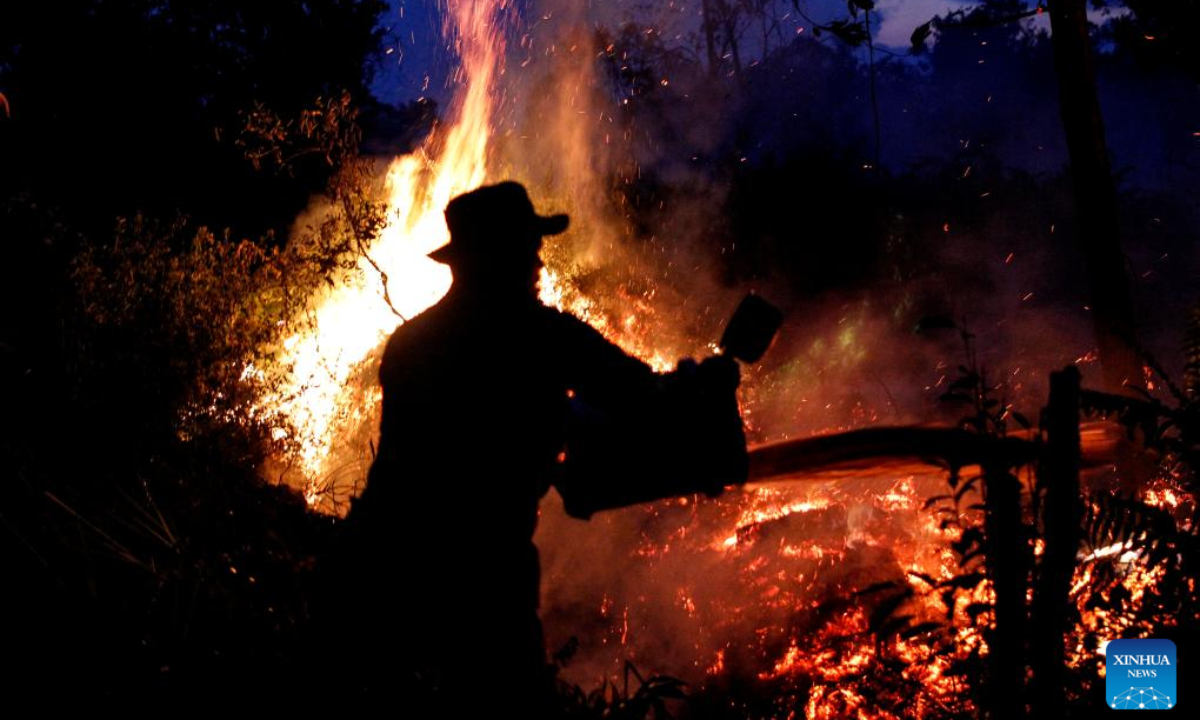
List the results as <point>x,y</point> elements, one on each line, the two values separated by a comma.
<point>660,251</point>
<point>642,266</point>
<point>657,585</point>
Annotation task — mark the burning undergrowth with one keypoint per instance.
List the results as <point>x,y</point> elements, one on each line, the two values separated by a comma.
<point>755,590</point>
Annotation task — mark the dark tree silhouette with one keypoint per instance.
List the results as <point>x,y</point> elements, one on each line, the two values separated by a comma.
<point>1095,194</point>
<point>124,105</point>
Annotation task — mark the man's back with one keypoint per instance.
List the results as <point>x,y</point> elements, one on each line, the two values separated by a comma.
<point>439,570</point>
<point>475,410</point>
<point>474,418</point>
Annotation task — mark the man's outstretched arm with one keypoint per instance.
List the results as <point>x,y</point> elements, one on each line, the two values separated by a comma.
<point>637,436</point>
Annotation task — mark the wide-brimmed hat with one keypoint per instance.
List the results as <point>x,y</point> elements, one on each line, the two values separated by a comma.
<point>482,220</point>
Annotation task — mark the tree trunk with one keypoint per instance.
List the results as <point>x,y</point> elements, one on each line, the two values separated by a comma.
<point>1058,476</point>
<point>709,39</point>
<point>1008,568</point>
<point>1095,195</point>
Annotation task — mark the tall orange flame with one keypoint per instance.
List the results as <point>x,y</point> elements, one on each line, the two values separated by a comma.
<point>353,320</point>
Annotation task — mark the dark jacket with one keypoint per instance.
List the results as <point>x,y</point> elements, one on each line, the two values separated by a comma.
<point>478,404</point>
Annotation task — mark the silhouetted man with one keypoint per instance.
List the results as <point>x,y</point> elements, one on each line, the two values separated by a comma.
<point>477,403</point>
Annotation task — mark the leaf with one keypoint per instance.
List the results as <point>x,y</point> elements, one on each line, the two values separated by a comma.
<point>950,600</point>
<point>850,33</point>
<point>919,36</point>
<point>1021,420</point>
<point>933,501</point>
<point>970,555</point>
<point>964,582</point>
<point>886,609</point>
<point>879,586</point>
<point>894,625</point>
<point>921,628</point>
<point>923,577</point>
<point>966,487</point>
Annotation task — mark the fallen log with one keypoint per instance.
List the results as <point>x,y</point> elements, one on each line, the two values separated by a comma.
<point>912,449</point>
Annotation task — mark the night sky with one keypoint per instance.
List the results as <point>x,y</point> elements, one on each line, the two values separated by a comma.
<point>416,50</point>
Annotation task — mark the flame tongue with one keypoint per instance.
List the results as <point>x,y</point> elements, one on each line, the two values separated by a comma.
<point>351,321</point>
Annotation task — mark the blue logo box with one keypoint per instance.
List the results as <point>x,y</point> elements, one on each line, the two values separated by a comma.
<point>1140,674</point>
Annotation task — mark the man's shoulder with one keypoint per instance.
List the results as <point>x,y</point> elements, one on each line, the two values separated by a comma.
<point>418,332</point>
<point>404,335</point>
<point>566,325</point>
<point>582,343</point>
<point>423,323</point>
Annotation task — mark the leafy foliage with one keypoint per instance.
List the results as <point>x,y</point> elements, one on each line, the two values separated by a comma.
<point>134,106</point>
<point>1191,353</point>
<point>634,698</point>
<point>157,520</point>
<point>1150,528</point>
